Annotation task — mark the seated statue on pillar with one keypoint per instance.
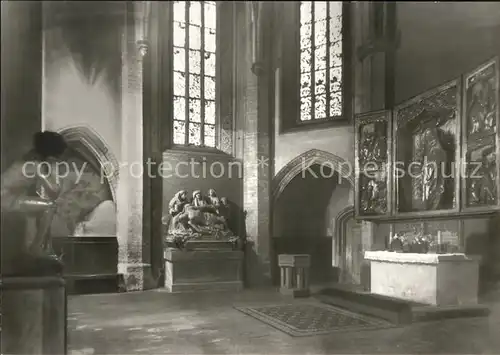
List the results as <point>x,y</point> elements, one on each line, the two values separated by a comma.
<point>202,218</point>
<point>31,187</point>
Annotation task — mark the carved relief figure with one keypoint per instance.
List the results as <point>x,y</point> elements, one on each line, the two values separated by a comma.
<point>373,143</point>
<point>481,108</point>
<point>366,143</point>
<point>212,216</point>
<point>19,195</point>
<point>206,218</point>
<point>212,198</point>
<point>433,173</point>
<point>483,184</point>
<point>374,194</point>
<point>177,203</point>
<point>198,200</point>
<point>373,191</point>
<point>433,163</point>
<point>190,219</point>
<point>224,211</point>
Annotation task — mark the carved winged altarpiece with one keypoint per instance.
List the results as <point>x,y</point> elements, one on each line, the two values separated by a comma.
<point>434,155</point>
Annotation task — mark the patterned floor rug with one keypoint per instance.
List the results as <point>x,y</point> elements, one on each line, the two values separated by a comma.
<point>312,319</point>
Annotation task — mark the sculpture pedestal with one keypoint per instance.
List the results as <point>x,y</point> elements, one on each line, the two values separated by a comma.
<point>435,279</point>
<point>33,315</point>
<point>294,269</point>
<point>203,269</point>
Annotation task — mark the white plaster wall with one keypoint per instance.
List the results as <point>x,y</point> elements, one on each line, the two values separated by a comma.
<point>335,140</point>
<point>68,99</point>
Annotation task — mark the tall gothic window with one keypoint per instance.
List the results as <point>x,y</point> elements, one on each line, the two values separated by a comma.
<point>321,60</point>
<point>194,75</point>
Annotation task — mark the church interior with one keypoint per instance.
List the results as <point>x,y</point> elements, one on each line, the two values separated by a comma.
<point>253,177</point>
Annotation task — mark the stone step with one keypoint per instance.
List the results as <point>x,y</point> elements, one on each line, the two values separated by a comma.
<point>431,313</point>
<point>391,309</point>
<point>395,310</point>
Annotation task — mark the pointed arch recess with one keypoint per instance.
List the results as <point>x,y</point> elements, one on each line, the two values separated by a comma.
<point>304,161</point>
<point>94,149</point>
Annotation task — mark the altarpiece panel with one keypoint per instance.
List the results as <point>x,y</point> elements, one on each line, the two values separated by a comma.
<point>372,156</point>
<point>426,151</point>
<point>481,138</point>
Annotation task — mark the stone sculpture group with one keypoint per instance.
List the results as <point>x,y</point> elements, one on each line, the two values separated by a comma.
<point>199,217</point>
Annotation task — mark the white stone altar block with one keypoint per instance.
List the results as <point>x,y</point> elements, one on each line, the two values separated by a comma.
<point>435,279</point>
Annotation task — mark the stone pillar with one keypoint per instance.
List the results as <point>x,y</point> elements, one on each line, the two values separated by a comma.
<point>373,70</point>
<point>362,68</point>
<point>21,90</point>
<point>33,309</point>
<point>130,187</point>
<point>254,113</point>
<point>21,78</point>
<point>374,84</point>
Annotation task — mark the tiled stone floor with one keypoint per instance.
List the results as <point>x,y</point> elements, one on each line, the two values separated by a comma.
<point>156,322</point>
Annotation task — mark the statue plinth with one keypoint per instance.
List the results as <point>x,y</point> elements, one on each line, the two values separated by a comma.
<point>213,269</point>
<point>203,264</point>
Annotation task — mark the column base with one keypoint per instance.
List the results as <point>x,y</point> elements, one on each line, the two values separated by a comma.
<point>136,277</point>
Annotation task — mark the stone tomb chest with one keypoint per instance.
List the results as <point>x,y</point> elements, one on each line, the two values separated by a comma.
<point>201,252</point>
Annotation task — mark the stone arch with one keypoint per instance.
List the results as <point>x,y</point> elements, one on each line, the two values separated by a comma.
<point>305,160</point>
<point>340,231</point>
<point>342,216</point>
<point>94,149</point>
<point>340,239</point>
